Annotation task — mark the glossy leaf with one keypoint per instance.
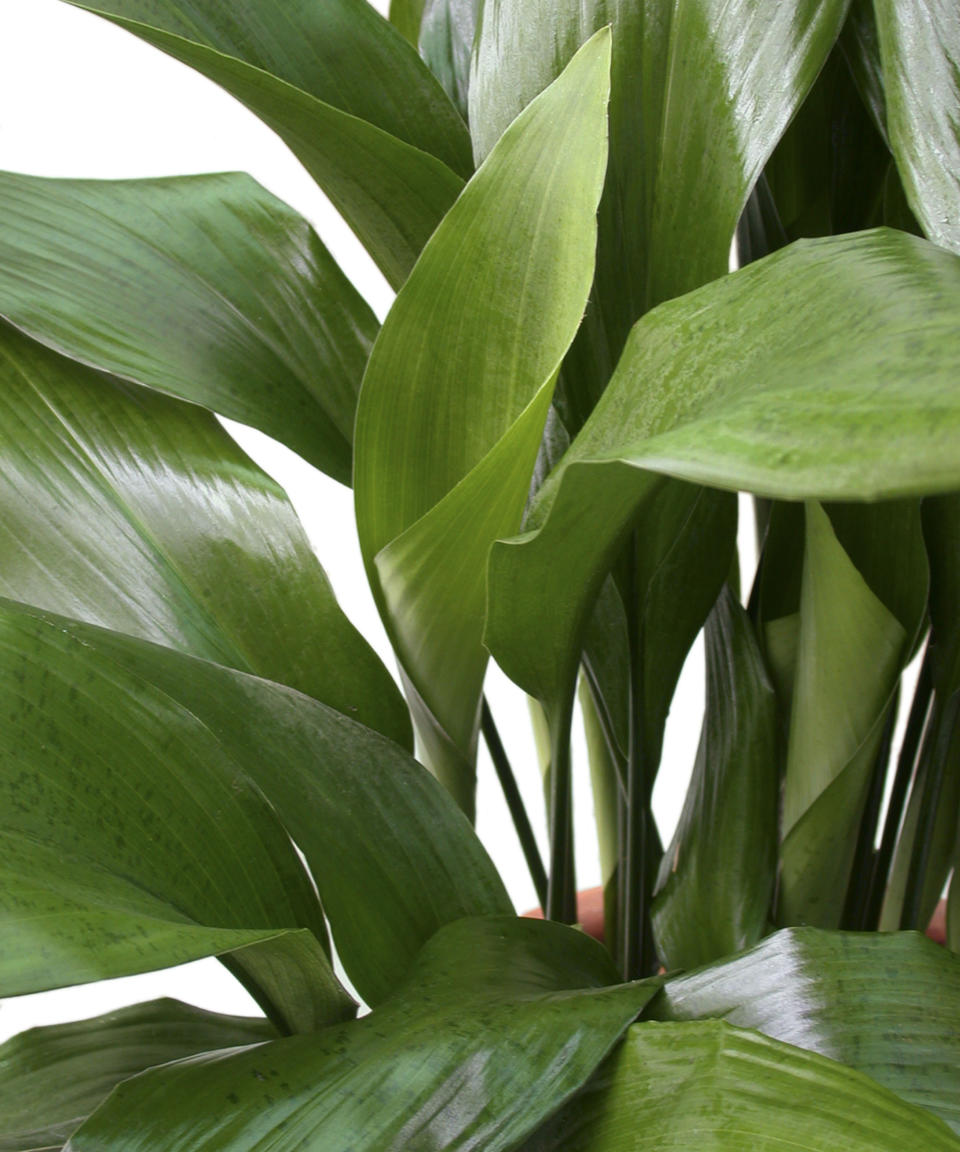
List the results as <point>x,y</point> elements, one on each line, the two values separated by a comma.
<point>920,51</point>
<point>860,44</point>
<point>446,39</point>
<point>131,841</point>
<point>204,287</point>
<point>709,1086</point>
<point>391,856</point>
<point>724,387</point>
<point>366,136</point>
<point>716,881</point>
<point>499,1022</point>
<point>135,511</point>
<point>457,389</point>
<point>886,1004</point>
<point>52,1078</point>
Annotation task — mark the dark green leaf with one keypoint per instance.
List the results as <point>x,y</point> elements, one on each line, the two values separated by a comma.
<point>52,1078</point>
<point>499,1022</point>
<point>941,531</point>
<point>886,1004</point>
<point>138,512</point>
<point>405,16</point>
<point>457,390</point>
<point>716,881</point>
<point>389,188</point>
<point>920,50</point>
<point>204,287</point>
<point>446,44</point>
<point>860,44</point>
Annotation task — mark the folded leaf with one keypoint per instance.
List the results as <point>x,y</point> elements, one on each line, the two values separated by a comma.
<point>392,192</point>
<point>499,1023</point>
<point>920,51</point>
<point>715,1088</point>
<point>52,1078</point>
<point>391,856</point>
<point>866,1000</point>
<point>457,389</point>
<point>724,387</point>
<point>204,287</point>
<point>138,512</point>
<point>716,880</point>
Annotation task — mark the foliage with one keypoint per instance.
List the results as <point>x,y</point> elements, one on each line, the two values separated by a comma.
<point>201,756</point>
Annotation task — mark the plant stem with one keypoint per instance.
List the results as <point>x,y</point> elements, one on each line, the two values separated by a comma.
<point>864,857</point>
<point>937,741</point>
<point>562,887</point>
<point>511,793</point>
<point>635,935</point>
<point>906,762</point>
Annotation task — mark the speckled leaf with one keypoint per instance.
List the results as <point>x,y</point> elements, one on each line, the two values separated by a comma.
<point>52,1078</point>
<point>498,1024</point>
<point>204,287</point>
<point>887,1004</point>
<point>136,511</point>
<point>457,389</point>
<point>920,51</point>
<point>344,91</point>
<point>709,1086</point>
<point>392,857</point>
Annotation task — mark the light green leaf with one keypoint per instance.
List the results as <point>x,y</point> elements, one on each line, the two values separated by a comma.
<point>131,841</point>
<point>725,387</point>
<point>499,1022</point>
<point>405,16</point>
<point>446,43</point>
<point>863,999</point>
<point>344,91</point>
<point>52,1078</point>
<point>137,512</point>
<point>204,287</point>
<point>716,881</point>
<point>706,1085</point>
<point>391,856</point>
<point>920,51</point>
<point>457,389</point>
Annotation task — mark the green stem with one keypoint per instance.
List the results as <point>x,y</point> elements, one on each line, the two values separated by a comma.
<point>511,793</point>
<point>562,887</point>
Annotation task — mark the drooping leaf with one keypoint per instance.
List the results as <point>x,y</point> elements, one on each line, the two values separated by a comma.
<point>499,1023</point>
<point>706,1085</point>
<point>446,37</point>
<point>457,389</point>
<point>344,91</point>
<point>866,1000</point>
<point>716,880</point>
<point>131,841</point>
<point>725,387</point>
<point>136,511</point>
<point>920,52</point>
<point>52,1078</point>
<point>204,287</point>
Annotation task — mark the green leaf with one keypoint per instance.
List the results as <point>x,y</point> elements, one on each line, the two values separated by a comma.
<point>953,905</point>
<point>716,881</point>
<point>204,287</point>
<point>446,39</point>
<point>724,387</point>
<point>941,532</point>
<point>405,16</point>
<point>52,1078</point>
<point>457,389</point>
<point>99,482</point>
<point>499,1022</point>
<point>343,90</point>
<point>851,649</point>
<point>920,50</point>
<point>391,856</point>
<point>132,841</point>
<point>866,1000</point>
<point>860,44</point>
<point>709,1086</point>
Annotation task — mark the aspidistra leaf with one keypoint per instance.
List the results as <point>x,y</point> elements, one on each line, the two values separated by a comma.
<point>458,385</point>
<point>446,36</point>
<point>137,512</point>
<point>204,287</point>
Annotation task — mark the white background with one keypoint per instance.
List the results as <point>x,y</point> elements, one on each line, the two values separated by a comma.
<point>79,97</point>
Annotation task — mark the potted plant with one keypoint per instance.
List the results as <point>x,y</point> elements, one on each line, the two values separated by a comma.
<point>201,756</point>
